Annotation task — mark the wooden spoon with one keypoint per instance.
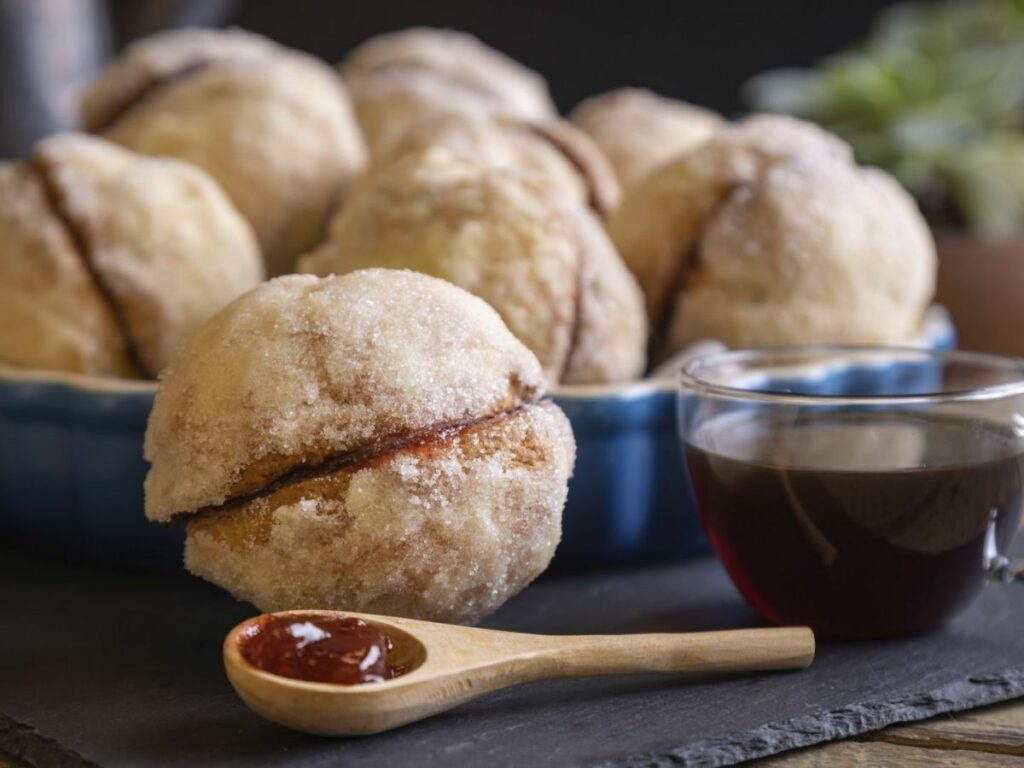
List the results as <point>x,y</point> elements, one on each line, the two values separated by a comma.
<point>450,665</point>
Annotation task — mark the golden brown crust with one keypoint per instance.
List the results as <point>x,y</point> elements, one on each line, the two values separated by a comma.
<point>445,530</point>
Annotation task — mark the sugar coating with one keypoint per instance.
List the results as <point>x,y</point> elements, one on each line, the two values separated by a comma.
<point>639,130</point>
<point>159,56</point>
<point>814,251</point>
<point>275,130</point>
<point>302,369</point>
<point>389,103</point>
<point>501,142</point>
<point>167,245</point>
<point>661,216</point>
<point>505,235</point>
<point>446,533</point>
<point>459,60</point>
<point>52,315</point>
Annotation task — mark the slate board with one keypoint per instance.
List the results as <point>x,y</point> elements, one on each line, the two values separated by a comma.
<point>123,669</point>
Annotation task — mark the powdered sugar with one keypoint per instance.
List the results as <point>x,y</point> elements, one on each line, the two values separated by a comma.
<point>302,368</point>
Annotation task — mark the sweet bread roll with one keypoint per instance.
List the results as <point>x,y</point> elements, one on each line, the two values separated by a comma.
<point>375,442</point>
<point>274,127</point>
<point>109,258</point>
<point>661,228</point>
<point>814,251</point>
<point>52,316</point>
<point>543,262</point>
<point>458,64</point>
<point>554,149</point>
<point>638,130</point>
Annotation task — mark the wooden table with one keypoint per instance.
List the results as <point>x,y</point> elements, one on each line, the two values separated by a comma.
<point>991,737</point>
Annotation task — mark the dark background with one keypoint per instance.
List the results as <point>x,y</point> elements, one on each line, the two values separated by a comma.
<point>698,51</point>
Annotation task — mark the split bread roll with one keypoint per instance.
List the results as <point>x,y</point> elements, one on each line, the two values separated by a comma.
<point>769,235</point>
<point>371,442</point>
<point>543,262</point>
<point>274,127</point>
<point>429,87</point>
<point>108,259</point>
<point>638,130</point>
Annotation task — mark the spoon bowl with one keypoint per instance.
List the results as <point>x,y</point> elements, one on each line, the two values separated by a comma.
<point>449,665</point>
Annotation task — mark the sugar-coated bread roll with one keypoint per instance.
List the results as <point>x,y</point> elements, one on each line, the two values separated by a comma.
<point>542,261</point>
<point>638,130</point>
<point>768,234</point>
<point>814,251</point>
<point>274,127</point>
<point>108,259</point>
<point>375,441</point>
<point>458,64</point>
<point>555,149</point>
<point>52,316</point>
<point>659,222</point>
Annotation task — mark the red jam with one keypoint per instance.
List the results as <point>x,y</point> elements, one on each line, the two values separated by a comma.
<point>315,647</point>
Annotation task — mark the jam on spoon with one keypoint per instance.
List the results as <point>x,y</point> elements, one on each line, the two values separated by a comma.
<point>319,648</point>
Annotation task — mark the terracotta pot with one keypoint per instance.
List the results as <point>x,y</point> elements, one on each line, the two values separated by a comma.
<point>981,283</point>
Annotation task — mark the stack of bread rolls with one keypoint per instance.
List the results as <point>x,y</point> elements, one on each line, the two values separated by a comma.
<point>373,434</point>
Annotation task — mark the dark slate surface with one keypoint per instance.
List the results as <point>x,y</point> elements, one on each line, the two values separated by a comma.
<point>123,669</point>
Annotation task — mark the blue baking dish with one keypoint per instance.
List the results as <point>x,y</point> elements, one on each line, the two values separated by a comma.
<point>71,469</point>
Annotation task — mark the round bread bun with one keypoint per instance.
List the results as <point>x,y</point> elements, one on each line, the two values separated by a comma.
<point>658,226</point>
<point>554,149</point>
<point>112,258</point>
<point>814,251</point>
<point>638,130</point>
<point>374,442</point>
<point>459,64</point>
<point>52,316</point>
<point>543,262</point>
<point>274,127</point>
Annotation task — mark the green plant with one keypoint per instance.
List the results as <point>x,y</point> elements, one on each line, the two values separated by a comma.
<point>935,95</point>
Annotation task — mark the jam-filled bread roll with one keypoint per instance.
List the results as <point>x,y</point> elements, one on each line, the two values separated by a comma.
<point>376,442</point>
<point>108,258</point>
<point>638,130</point>
<point>274,127</point>
<point>427,87</point>
<point>542,261</point>
<point>814,252</point>
<point>768,235</point>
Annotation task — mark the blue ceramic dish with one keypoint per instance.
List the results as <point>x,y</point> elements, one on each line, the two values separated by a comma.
<point>71,468</point>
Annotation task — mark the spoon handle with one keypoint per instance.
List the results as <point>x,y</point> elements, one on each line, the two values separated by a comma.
<point>741,650</point>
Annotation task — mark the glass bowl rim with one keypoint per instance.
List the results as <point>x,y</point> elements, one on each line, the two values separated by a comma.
<point>691,382</point>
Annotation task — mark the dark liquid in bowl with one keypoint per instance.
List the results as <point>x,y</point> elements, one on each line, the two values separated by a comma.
<point>857,524</point>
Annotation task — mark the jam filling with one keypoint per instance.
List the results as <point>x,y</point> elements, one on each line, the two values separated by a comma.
<point>320,648</point>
